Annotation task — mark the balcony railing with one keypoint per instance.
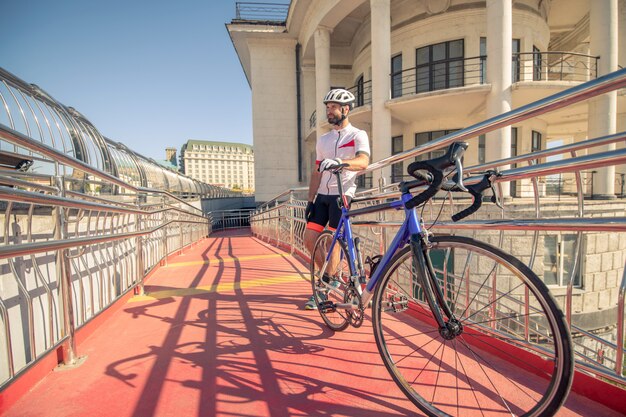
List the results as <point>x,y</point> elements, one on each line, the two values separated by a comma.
<point>554,66</point>
<point>531,66</point>
<point>362,92</point>
<point>527,66</point>
<point>261,12</point>
<point>438,76</point>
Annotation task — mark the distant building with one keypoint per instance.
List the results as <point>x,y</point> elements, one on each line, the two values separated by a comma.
<point>227,164</point>
<point>170,156</point>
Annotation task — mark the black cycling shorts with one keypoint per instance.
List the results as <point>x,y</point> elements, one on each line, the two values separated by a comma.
<point>325,211</point>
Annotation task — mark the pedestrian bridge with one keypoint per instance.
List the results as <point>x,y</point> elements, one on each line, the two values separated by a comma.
<point>219,331</point>
<point>112,275</point>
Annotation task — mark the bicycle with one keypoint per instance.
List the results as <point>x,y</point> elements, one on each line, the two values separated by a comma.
<point>463,327</point>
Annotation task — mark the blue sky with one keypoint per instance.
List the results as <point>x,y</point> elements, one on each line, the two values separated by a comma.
<point>148,73</point>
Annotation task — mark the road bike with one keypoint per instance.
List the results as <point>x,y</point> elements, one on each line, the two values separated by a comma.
<point>464,328</point>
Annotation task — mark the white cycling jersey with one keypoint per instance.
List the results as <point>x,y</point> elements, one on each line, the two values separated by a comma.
<point>343,144</point>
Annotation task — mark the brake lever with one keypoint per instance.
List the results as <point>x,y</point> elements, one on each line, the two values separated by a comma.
<point>459,174</point>
<point>497,201</point>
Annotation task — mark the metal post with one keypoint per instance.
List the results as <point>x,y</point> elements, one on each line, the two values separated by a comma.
<point>382,217</point>
<point>592,174</point>
<point>165,248</point>
<point>140,269</point>
<point>292,220</point>
<point>619,358</point>
<point>277,223</point>
<point>180,235</point>
<point>64,273</point>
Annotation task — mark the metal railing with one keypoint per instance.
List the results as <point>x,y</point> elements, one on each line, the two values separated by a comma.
<point>65,258</point>
<point>230,219</point>
<point>526,226</point>
<point>527,66</point>
<point>362,93</point>
<point>554,66</point>
<point>261,12</point>
<point>438,76</point>
<point>562,185</point>
<point>67,254</point>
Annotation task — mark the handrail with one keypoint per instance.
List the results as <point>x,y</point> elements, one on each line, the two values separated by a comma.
<point>22,249</point>
<point>22,196</point>
<point>558,53</point>
<point>542,154</point>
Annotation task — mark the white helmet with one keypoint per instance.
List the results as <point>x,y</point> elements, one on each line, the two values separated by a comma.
<point>339,95</point>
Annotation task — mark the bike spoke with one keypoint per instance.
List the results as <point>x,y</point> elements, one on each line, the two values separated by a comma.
<point>507,357</point>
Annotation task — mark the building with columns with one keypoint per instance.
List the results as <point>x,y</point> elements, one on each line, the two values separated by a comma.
<point>423,68</point>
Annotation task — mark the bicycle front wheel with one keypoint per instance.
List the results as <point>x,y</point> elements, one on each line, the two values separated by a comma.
<point>511,353</point>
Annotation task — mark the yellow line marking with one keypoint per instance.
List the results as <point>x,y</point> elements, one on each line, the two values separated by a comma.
<point>224,260</point>
<point>231,286</point>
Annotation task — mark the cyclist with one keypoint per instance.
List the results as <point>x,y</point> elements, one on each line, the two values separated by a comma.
<point>343,144</point>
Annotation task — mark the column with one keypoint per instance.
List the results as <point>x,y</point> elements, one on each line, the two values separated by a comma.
<point>499,67</point>
<point>381,85</point>
<point>322,73</point>
<point>621,36</point>
<point>621,61</point>
<point>603,109</point>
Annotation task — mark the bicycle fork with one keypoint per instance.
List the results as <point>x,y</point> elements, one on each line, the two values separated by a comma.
<point>449,326</point>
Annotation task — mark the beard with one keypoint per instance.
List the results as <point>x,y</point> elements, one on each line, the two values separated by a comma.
<point>334,119</point>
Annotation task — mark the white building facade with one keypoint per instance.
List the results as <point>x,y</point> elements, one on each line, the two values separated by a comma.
<point>227,164</point>
<point>423,68</point>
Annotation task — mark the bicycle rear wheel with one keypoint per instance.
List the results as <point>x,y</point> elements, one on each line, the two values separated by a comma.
<point>513,355</point>
<point>329,280</point>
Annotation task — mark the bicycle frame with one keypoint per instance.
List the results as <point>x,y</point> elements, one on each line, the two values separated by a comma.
<point>410,232</point>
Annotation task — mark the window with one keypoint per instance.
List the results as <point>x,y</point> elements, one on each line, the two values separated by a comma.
<point>359,92</point>
<point>425,137</point>
<point>559,259</point>
<point>536,141</point>
<point>396,76</point>
<point>364,182</point>
<point>536,64</point>
<point>515,68</point>
<point>483,60</point>
<point>397,169</point>
<point>439,66</point>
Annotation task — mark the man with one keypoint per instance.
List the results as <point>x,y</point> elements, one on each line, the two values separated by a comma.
<point>345,144</point>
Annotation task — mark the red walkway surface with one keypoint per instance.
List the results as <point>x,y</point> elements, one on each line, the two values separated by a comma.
<point>222,332</point>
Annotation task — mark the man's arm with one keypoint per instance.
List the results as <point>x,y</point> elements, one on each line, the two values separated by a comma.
<point>314,183</point>
<point>358,163</point>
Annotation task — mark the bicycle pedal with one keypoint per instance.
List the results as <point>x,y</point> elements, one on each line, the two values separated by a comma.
<point>327,307</point>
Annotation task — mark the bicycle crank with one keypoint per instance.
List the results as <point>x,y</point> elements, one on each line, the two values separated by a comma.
<point>356,312</point>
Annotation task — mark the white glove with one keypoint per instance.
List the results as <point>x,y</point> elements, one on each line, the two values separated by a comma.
<point>329,163</point>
